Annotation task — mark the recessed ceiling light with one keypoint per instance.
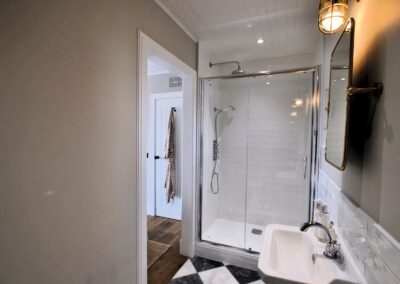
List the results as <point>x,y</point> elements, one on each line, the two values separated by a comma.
<point>343,79</point>
<point>260,40</point>
<point>293,114</point>
<point>249,26</point>
<point>299,102</point>
<point>268,83</point>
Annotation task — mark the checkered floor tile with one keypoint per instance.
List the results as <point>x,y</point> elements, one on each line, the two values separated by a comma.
<point>200,270</point>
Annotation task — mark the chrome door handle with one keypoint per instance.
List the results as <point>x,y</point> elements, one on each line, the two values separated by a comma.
<point>305,167</point>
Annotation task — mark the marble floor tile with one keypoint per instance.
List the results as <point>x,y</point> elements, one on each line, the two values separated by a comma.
<point>188,279</point>
<point>186,269</point>
<point>243,275</point>
<point>202,264</point>
<point>218,276</point>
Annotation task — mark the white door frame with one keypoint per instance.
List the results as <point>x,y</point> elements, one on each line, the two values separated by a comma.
<point>151,169</point>
<point>148,47</point>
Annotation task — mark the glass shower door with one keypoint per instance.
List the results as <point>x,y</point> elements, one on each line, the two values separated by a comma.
<point>256,144</point>
<point>225,111</point>
<point>279,145</point>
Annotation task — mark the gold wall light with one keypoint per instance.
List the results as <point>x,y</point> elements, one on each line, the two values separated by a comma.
<point>332,15</point>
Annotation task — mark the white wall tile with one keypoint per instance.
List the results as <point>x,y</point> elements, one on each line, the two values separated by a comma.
<point>375,252</point>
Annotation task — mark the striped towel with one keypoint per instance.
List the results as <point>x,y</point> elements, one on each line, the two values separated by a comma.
<point>170,180</point>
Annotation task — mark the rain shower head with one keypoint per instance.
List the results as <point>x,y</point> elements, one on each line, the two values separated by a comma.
<point>237,71</point>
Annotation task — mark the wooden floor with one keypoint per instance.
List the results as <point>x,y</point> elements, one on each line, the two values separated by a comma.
<point>166,231</point>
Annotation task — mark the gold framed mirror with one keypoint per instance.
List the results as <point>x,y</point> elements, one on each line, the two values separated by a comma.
<point>341,71</point>
<point>340,93</point>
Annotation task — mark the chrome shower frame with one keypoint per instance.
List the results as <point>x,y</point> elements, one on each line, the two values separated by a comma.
<point>234,255</point>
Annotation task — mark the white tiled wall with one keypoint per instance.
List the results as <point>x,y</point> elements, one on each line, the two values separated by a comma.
<point>233,150</point>
<point>376,253</point>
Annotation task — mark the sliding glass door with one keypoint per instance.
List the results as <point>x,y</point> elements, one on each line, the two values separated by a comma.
<point>256,141</point>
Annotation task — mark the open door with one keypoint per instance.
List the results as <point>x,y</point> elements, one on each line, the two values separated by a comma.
<point>160,107</point>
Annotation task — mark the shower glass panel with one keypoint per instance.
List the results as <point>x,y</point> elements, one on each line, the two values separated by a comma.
<point>279,145</point>
<point>224,201</point>
<point>262,151</point>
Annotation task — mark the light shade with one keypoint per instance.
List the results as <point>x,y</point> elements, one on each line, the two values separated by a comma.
<point>332,15</point>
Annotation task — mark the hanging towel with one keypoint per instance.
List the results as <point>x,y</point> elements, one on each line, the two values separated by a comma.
<point>170,180</point>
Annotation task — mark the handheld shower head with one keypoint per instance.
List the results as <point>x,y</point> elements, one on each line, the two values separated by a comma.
<point>228,108</point>
<point>214,184</point>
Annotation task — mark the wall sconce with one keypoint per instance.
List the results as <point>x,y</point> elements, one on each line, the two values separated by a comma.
<point>332,15</point>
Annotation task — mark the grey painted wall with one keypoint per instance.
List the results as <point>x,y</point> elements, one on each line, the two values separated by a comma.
<point>372,176</point>
<point>68,136</point>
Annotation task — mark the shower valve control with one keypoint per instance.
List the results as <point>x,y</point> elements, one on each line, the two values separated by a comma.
<point>215,150</point>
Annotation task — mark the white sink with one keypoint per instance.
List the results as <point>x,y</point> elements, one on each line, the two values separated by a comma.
<point>286,257</point>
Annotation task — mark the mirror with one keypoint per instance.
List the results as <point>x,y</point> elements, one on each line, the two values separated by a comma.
<point>338,106</point>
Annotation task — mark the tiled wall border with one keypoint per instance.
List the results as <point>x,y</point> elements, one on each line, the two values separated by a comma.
<point>376,253</point>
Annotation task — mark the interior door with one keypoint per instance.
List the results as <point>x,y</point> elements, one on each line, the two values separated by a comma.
<point>162,107</point>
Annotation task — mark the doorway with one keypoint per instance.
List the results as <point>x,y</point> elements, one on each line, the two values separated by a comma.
<point>166,90</point>
<point>160,108</point>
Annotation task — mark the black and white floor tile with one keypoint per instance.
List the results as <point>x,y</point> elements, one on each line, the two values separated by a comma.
<point>200,270</point>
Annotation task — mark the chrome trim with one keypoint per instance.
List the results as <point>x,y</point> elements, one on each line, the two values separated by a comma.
<point>199,157</point>
<point>314,163</point>
<point>332,248</point>
<point>276,72</point>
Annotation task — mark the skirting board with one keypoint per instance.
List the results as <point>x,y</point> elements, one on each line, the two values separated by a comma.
<point>228,255</point>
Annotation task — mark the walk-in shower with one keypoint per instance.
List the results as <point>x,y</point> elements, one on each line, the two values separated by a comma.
<point>214,183</point>
<point>257,138</point>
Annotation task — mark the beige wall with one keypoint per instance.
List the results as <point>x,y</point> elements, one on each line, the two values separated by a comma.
<point>372,176</point>
<point>68,136</point>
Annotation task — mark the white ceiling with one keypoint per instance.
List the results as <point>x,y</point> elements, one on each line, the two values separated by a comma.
<point>288,27</point>
<point>155,68</point>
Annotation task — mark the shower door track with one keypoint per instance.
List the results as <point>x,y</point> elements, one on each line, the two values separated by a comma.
<point>199,138</point>
<point>262,73</point>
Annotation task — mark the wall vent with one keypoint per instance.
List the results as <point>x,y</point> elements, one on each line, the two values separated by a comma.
<point>175,82</point>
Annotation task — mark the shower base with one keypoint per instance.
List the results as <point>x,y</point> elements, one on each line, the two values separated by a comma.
<point>235,234</point>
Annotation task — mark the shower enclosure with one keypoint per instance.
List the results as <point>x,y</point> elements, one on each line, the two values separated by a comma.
<point>257,143</point>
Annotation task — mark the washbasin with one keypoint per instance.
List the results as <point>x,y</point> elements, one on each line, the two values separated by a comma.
<point>291,256</point>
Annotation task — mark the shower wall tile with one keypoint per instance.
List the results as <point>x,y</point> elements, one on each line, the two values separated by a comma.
<point>376,253</point>
<point>233,151</point>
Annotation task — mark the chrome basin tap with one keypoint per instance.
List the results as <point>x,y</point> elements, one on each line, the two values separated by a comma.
<point>332,249</point>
